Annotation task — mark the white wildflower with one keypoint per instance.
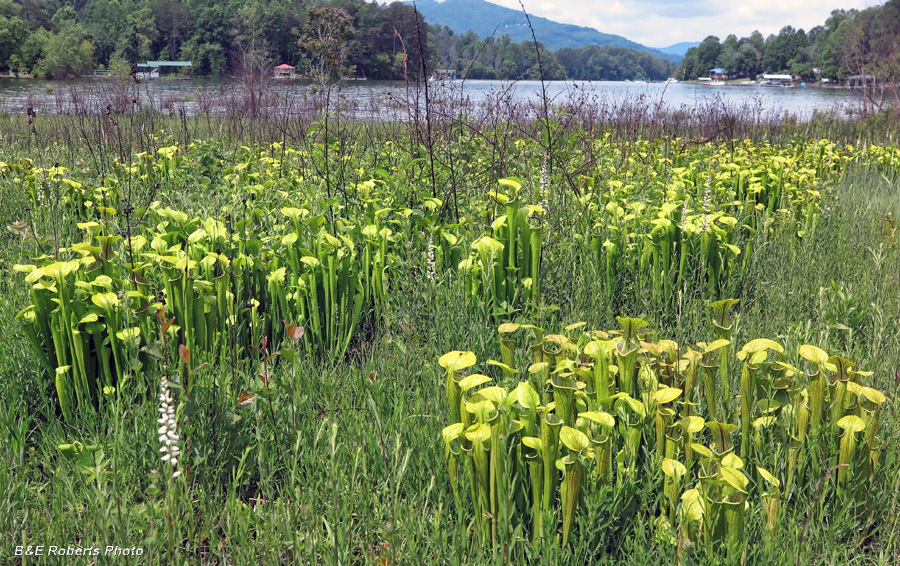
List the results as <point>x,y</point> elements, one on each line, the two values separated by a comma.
<point>430,259</point>
<point>706,206</point>
<point>168,428</point>
<point>545,185</point>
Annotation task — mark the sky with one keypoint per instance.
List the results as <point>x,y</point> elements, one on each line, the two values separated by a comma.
<point>660,23</point>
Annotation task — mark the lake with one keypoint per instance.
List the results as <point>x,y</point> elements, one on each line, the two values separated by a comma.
<point>370,99</point>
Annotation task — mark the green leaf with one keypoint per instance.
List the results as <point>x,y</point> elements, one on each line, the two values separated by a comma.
<point>691,506</point>
<point>502,366</point>
<point>452,432</point>
<point>599,417</point>
<point>666,395</point>
<point>625,400</point>
<point>455,361</point>
<point>511,182</point>
<point>768,477</point>
<point>701,449</point>
<point>574,439</point>
<point>496,395</point>
<point>715,345</point>
<point>734,477</point>
<point>106,301</point>
<point>527,396</point>
<point>851,424</point>
<point>814,354</point>
<point>673,468</point>
<point>480,432</point>
<point>759,345</point>
<point>693,424</point>
<point>732,461</point>
<point>473,380</point>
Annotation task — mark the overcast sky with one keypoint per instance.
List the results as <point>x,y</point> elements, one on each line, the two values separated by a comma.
<point>660,23</point>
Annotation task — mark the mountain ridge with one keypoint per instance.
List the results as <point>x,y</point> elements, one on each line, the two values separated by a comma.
<point>678,48</point>
<point>486,18</point>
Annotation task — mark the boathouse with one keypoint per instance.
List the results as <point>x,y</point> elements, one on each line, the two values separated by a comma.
<point>285,71</point>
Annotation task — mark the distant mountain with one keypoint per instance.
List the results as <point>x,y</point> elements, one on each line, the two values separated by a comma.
<point>483,18</point>
<point>679,48</point>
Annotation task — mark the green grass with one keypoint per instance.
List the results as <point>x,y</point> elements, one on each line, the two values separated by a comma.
<point>346,465</point>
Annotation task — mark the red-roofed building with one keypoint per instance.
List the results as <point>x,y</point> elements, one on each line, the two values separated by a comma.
<point>284,72</point>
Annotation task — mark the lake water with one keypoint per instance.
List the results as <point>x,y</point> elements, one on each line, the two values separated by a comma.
<point>386,98</point>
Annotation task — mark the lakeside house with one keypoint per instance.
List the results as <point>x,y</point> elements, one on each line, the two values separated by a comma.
<point>151,69</point>
<point>855,81</point>
<point>718,74</point>
<point>776,80</point>
<point>285,71</point>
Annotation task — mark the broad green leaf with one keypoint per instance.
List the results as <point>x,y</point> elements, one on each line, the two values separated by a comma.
<point>873,395</point>
<point>480,432</point>
<point>511,182</point>
<point>814,354</point>
<point>673,468</point>
<point>734,477</point>
<point>456,360</point>
<point>759,345</point>
<point>851,423</point>
<point>691,506</point>
<point>715,345</point>
<point>693,424</point>
<point>768,477</point>
<point>599,417</point>
<point>666,395</point>
<point>701,449</point>
<point>508,327</point>
<point>106,301</point>
<point>527,396</point>
<point>473,380</point>
<point>596,348</point>
<point>502,366</point>
<point>129,334</point>
<point>574,439</point>
<point>732,461</point>
<point>452,432</point>
<point>626,400</point>
<point>538,367</point>
<point>496,395</point>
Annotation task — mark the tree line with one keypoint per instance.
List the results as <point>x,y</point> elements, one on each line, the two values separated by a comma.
<point>849,43</point>
<point>63,39</point>
<point>59,39</point>
<point>502,58</point>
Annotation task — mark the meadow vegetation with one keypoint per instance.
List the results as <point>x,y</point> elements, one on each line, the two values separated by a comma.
<point>568,335</point>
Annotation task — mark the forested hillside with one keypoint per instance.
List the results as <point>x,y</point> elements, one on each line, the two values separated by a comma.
<point>54,39</point>
<point>850,42</point>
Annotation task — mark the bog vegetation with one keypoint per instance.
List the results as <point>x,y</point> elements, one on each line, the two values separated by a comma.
<point>488,339</point>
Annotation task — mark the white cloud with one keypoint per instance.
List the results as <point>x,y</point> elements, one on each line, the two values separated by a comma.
<point>659,23</point>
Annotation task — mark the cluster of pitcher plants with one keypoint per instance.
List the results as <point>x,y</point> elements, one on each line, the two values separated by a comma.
<point>280,253</point>
<point>105,307</point>
<point>730,430</point>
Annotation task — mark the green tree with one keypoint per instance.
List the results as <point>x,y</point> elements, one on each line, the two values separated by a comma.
<point>65,54</point>
<point>324,39</point>
<point>707,56</point>
<point>12,32</point>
